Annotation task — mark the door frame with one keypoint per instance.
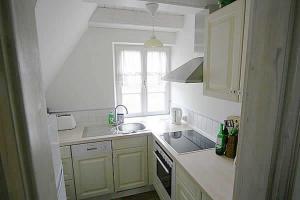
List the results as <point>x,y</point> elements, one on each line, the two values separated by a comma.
<point>266,156</point>
<point>24,145</point>
<point>265,91</point>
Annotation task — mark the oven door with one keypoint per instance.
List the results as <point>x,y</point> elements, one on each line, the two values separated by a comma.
<point>163,173</point>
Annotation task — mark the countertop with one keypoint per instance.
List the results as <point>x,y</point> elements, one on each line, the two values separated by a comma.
<point>213,173</point>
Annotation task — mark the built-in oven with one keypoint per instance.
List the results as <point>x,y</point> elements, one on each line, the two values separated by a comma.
<point>165,171</point>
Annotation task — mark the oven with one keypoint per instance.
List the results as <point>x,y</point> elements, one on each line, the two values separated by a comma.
<point>165,171</point>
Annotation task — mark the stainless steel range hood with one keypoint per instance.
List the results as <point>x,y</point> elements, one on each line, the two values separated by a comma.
<point>190,72</point>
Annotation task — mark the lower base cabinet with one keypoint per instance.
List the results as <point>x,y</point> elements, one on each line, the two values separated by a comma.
<point>93,171</point>
<point>130,168</point>
<point>70,190</point>
<point>186,188</point>
<point>182,192</point>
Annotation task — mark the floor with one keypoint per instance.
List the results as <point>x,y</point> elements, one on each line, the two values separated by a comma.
<point>144,196</point>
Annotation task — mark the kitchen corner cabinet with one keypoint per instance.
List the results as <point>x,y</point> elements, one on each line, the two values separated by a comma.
<point>186,188</point>
<point>223,52</point>
<point>182,192</point>
<point>68,172</point>
<point>93,171</point>
<point>130,162</point>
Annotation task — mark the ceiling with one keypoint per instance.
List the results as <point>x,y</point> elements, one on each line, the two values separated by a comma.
<point>61,23</point>
<point>168,6</point>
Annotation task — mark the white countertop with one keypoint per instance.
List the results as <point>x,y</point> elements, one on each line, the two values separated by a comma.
<point>213,173</point>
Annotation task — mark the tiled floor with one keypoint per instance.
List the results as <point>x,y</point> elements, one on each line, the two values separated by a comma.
<point>144,196</point>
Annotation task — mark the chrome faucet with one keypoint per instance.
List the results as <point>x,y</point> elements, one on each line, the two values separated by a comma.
<point>116,115</point>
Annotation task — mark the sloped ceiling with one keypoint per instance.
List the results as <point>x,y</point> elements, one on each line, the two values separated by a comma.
<point>60,24</point>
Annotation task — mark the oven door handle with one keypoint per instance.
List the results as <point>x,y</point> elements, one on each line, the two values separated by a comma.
<point>161,163</point>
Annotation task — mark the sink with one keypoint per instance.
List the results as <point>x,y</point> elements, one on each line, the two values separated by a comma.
<point>131,127</point>
<point>97,130</point>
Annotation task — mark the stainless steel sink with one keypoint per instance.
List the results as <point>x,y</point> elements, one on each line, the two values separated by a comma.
<point>131,127</point>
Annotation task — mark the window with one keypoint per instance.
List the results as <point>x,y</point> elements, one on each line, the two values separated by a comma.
<point>138,79</point>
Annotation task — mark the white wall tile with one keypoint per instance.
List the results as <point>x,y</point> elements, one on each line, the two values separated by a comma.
<point>91,117</point>
<point>209,126</point>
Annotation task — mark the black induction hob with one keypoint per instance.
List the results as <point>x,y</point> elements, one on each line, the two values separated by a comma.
<point>187,141</point>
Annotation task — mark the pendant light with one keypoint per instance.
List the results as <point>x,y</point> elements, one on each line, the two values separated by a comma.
<point>153,41</point>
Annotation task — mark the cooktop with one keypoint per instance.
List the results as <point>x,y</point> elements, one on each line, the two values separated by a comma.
<point>187,141</point>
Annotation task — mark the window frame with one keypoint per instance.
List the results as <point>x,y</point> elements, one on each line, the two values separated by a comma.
<point>117,87</point>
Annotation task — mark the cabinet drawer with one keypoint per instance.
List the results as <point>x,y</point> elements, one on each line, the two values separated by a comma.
<point>67,168</point>
<point>65,152</point>
<point>187,181</point>
<point>90,149</point>
<point>129,142</point>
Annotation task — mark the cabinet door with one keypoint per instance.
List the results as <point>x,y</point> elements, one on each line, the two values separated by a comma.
<point>130,168</point>
<point>182,192</point>
<point>223,52</point>
<point>93,175</point>
<point>70,190</point>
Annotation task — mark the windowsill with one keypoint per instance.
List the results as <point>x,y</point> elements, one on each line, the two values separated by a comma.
<point>149,115</point>
<point>147,118</point>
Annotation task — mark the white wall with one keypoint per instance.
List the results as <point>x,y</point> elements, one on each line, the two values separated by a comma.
<point>190,95</point>
<point>60,24</point>
<point>86,79</point>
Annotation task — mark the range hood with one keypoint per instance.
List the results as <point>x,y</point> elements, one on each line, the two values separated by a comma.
<point>190,72</point>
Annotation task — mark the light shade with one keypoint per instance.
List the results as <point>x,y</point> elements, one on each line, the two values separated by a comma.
<point>153,42</point>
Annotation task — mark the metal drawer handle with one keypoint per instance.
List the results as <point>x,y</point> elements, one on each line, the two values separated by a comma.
<point>91,148</point>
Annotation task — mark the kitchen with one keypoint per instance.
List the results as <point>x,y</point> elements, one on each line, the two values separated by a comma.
<point>111,66</point>
<point>144,100</point>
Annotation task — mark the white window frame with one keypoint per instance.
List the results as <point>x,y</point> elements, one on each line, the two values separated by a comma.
<point>117,50</point>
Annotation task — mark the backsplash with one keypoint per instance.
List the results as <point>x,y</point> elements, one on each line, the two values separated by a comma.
<point>196,120</point>
<point>201,123</point>
<point>90,117</point>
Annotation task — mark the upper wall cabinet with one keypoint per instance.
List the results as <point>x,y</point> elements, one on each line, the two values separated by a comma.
<point>223,52</point>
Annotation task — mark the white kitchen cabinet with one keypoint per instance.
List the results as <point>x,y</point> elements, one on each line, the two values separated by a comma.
<point>223,52</point>
<point>130,168</point>
<point>183,193</point>
<point>93,170</point>
<point>68,172</point>
<point>187,188</point>
<point>67,168</point>
<point>70,190</point>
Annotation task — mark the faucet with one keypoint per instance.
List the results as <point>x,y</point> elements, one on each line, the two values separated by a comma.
<point>116,115</point>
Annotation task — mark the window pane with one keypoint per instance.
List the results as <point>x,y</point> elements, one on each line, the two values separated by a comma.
<point>157,62</point>
<point>132,102</point>
<point>131,62</point>
<point>130,79</point>
<point>155,84</point>
<point>156,88</point>
<point>156,102</point>
<point>131,83</point>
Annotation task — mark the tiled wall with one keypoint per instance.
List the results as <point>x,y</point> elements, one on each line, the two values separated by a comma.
<point>90,117</point>
<point>202,123</point>
<point>196,120</point>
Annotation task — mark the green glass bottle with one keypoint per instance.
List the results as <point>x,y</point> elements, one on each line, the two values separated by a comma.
<point>111,118</point>
<point>221,140</point>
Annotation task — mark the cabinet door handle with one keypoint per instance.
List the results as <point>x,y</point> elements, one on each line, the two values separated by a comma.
<point>91,148</point>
